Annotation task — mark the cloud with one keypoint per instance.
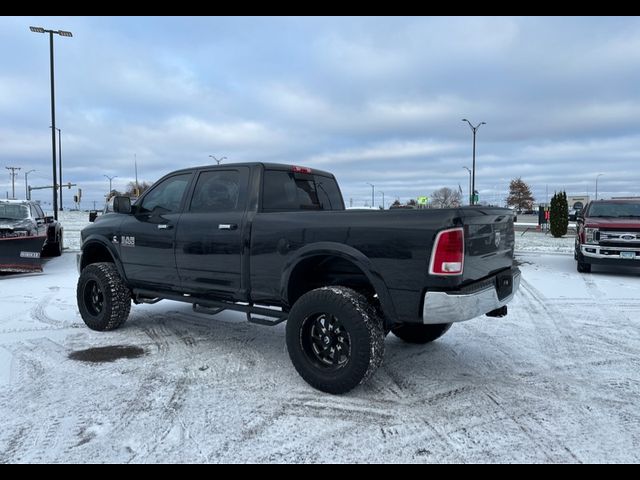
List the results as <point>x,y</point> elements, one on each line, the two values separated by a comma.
<point>373,99</point>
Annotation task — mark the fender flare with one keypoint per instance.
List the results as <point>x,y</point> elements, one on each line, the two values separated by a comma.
<point>99,240</point>
<point>345,252</point>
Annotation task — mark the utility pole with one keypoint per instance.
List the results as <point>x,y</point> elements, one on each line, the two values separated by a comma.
<point>382,200</point>
<point>13,180</point>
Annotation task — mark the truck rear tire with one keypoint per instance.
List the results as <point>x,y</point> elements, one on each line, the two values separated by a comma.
<point>335,339</point>
<point>103,298</point>
<point>420,334</point>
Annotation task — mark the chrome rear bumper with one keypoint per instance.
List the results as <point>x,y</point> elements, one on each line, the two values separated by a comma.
<point>450,307</point>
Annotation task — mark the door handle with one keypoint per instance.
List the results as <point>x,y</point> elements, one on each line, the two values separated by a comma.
<point>164,226</point>
<point>228,226</point>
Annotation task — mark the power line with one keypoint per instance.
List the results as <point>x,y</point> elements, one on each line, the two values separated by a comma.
<point>13,180</point>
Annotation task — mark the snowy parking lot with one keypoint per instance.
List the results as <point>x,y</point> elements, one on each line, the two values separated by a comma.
<point>557,380</point>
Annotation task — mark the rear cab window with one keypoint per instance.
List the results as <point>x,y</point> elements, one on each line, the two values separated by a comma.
<point>286,191</point>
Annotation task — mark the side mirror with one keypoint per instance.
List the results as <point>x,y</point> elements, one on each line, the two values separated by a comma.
<point>93,214</point>
<point>49,219</point>
<point>122,205</point>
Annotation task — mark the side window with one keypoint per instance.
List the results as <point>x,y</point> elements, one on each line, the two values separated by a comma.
<point>39,212</point>
<point>166,196</point>
<point>329,193</point>
<point>216,191</point>
<point>287,191</point>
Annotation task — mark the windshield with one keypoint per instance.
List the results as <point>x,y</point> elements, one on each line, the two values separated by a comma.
<point>10,211</point>
<point>615,210</point>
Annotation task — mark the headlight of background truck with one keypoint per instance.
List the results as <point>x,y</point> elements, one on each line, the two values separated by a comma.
<point>592,235</point>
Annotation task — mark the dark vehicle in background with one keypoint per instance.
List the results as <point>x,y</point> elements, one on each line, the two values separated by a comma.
<point>575,212</point>
<point>276,242</point>
<point>26,234</point>
<point>108,208</point>
<point>608,233</point>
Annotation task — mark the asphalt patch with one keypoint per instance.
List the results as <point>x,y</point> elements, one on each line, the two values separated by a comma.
<point>107,354</point>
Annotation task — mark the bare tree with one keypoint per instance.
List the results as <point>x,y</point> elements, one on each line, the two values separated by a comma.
<point>445,197</point>
<point>142,187</point>
<point>520,195</point>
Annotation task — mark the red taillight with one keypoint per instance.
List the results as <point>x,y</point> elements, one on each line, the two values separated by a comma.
<point>447,257</point>
<point>295,169</point>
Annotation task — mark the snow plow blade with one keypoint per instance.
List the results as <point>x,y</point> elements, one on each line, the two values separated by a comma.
<point>21,254</point>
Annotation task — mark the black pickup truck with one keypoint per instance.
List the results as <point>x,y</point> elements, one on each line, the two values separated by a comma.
<point>275,241</point>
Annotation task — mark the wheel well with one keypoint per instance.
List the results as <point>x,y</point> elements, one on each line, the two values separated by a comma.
<point>95,253</point>
<point>324,270</point>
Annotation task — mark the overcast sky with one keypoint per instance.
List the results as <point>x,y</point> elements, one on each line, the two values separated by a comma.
<point>376,100</point>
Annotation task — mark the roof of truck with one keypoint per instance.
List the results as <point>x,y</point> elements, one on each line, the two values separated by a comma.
<point>16,202</point>
<point>266,166</point>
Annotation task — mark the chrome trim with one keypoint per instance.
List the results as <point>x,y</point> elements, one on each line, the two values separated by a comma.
<point>619,236</point>
<point>598,249</point>
<point>444,307</point>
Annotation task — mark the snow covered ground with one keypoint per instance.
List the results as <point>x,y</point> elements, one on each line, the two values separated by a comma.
<point>558,380</point>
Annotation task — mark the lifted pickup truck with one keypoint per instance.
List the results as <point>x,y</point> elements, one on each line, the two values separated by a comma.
<point>608,234</point>
<point>275,242</point>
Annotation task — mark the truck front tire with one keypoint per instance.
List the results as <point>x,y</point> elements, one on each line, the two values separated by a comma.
<point>420,334</point>
<point>103,298</point>
<point>55,249</point>
<point>335,339</point>
<point>584,267</point>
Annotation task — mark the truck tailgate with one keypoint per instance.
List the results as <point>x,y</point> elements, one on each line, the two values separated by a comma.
<point>489,242</point>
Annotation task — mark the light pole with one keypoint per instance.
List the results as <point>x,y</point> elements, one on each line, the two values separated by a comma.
<point>373,193</point>
<point>110,180</point>
<point>26,184</point>
<point>135,167</point>
<point>473,181</point>
<point>470,187</point>
<point>60,162</point>
<point>382,200</point>
<point>598,176</point>
<point>218,160</point>
<point>62,33</point>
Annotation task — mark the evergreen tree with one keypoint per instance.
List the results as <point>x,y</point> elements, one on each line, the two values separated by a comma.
<point>559,215</point>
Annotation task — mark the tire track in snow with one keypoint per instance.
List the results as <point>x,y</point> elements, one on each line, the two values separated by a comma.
<point>39,313</point>
<point>40,442</point>
<point>555,338</point>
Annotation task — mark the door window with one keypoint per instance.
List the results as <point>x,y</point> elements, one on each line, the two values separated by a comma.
<point>216,191</point>
<point>166,197</point>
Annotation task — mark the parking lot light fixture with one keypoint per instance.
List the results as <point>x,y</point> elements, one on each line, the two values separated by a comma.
<point>598,176</point>
<point>473,181</point>
<point>62,33</point>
